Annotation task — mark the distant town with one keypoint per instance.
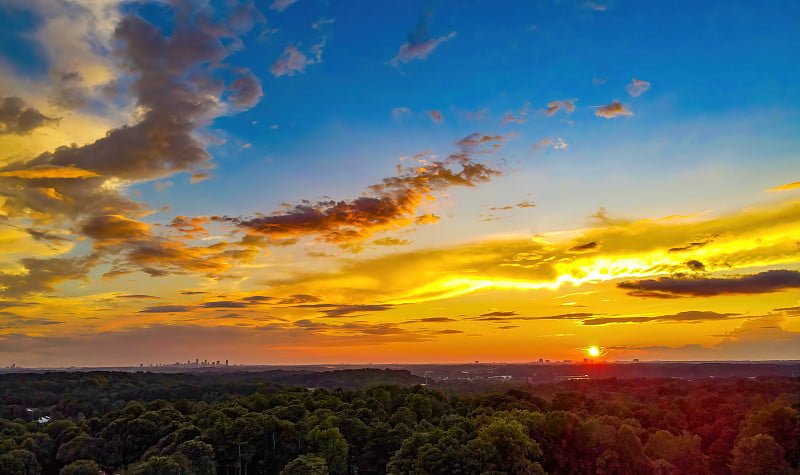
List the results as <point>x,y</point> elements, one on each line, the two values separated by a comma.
<point>542,371</point>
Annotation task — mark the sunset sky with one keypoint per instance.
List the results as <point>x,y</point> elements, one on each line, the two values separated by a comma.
<point>365,181</point>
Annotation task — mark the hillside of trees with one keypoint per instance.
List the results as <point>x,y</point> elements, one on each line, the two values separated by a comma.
<point>384,422</point>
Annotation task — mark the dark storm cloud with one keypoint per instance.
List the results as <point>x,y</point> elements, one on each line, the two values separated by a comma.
<point>17,118</point>
<point>666,287</point>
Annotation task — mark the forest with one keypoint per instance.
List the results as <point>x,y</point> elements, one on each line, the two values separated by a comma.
<point>382,421</point>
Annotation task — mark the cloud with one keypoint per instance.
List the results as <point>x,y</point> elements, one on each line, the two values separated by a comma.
<point>586,247</point>
<point>322,21</point>
<point>172,75</point>
<point>391,204</point>
<point>113,228</point>
<point>558,144</point>
<point>14,303</point>
<point>695,265</point>
<point>567,105</point>
<point>224,304</point>
<point>476,139</point>
<point>787,187</point>
<point>290,62</point>
<point>48,172</point>
<point>299,299</point>
<point>281,5</point>
<point>499,314</point>
<point>631,249</point>
<point>612,110</point>
<point>10,321</point>
<point>756,339</point>
<point>258,298</point>
<point>391,241</point>
<point>17,118</point>
<point>293,61</point>
<point>43,274</point>
<point>137,296</point>
<point>763,282</point>
<point>637,87</point>
<point>436,116</point>
<point>167,309</point>
<point>190,228</point>
<point>245,92</point>
<point>541,144</point>
<point>419,44</point>
<point>400,113</point>
<point>433,320</point>
<point>695,244</point>
<point>349,310</point>
<point>691,316</point>
<point>519,118</point>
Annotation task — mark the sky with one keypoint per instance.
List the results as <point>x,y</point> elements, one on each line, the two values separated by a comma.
<point>361,181</point>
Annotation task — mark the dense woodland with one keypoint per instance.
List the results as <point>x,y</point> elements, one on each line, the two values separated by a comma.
<point>384,422</point>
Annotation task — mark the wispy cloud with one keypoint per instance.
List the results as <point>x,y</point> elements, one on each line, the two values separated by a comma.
<point>637,87</point>
<point>419,44</point>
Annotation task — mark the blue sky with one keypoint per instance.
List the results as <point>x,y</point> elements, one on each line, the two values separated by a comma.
<point>258,154</point>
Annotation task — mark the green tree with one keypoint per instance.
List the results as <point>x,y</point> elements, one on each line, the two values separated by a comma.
<point>172,465</point>
<point>758,455</point>
<point>306,465</point>
<point>19,462</point>
<point>504,445</point>
<point>80,467</point>
<point>682,451</point>
<point>331,447</point>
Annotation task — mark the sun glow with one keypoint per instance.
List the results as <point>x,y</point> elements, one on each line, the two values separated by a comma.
<point>594,351</point>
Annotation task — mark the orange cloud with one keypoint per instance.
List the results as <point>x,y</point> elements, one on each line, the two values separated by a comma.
<point>44,171</point>
<point>555,106</point>
<point>787,187</point>
<point>113,228</point>
<point>389,205</point>
<point>612,110</point>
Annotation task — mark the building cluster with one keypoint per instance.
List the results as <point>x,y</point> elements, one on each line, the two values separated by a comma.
<point>197,362</point>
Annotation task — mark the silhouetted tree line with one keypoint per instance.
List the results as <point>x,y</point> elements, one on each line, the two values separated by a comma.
<point>179,424</point>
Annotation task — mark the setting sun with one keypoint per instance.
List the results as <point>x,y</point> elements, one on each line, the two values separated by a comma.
<point>594,351</point>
